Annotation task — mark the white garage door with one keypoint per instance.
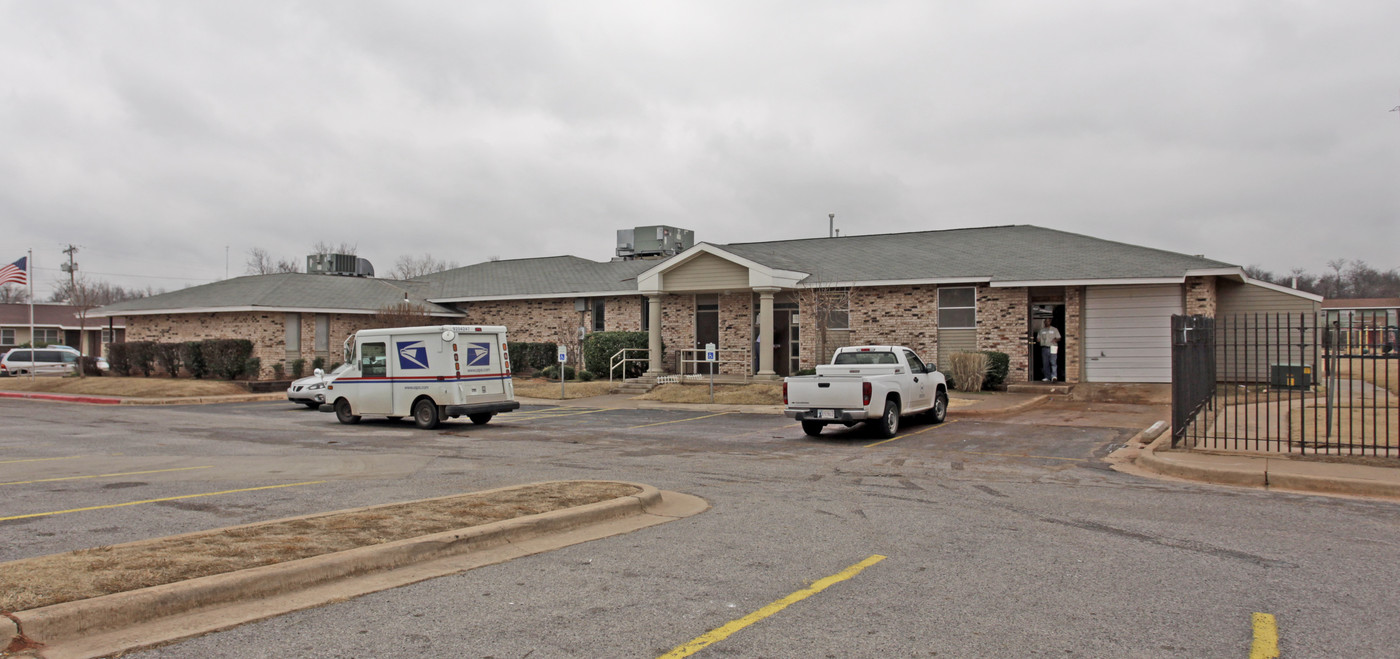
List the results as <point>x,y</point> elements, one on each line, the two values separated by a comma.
<point>1127,332</point>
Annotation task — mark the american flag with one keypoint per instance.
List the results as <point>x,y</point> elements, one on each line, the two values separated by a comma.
<point>15,273</point>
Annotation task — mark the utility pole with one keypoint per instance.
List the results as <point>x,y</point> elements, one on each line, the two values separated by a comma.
<point>72,269</point>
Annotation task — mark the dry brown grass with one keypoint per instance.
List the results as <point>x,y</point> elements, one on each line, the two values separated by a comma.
<point>1384,373</point>
<point>114,385</point>
<point>35,582</point>
<point>728,394</point>
<point>550,389</point>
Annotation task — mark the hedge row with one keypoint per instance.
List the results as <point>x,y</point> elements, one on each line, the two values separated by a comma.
<point>526,356</point>
<point>599,348</point>
<point>223,358</point>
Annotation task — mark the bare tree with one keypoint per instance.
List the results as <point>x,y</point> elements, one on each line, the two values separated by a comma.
<point>400,314</point>
<point>323,247</point>
<point>13,294</point>
<point>260,263</point>
<point>412,267</point>
<point>99,293</point>
<point>829,309</point>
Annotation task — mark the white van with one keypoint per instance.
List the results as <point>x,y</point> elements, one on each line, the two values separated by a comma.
<point>429,373</point>
<point>56,360</point>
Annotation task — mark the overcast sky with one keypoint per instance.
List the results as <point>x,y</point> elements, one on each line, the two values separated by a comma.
<point>161,136</point>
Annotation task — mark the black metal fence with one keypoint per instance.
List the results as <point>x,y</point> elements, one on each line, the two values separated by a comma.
<point>1281,383</point>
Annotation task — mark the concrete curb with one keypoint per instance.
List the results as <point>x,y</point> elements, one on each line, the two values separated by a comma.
<point>1010,409</point>
<point>84,620</point>
<point>62,398</point>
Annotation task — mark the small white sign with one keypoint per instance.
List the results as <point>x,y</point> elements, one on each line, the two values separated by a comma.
<point>563,354</point>
<point>709,352</point>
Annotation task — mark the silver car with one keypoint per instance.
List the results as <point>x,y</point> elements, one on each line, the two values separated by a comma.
<point>311,390</point>
<point>52,360</point>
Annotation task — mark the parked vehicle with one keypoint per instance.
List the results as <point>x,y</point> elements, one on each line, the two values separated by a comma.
<point>431,373</point>
<point>311,390</point>
<point>51,360</point>
<point>867,384</point>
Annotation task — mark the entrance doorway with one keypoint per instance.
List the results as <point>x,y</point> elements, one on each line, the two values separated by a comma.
<point>1040,311</point>
<point>785,339</point>
<point>706,327</point>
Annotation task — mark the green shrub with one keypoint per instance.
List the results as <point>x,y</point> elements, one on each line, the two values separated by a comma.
<point>252,368</point>
<point>142,355</point>
<point>586,376</point>
<point>998,366</point>
<point>89,365</point>
<point>192,353</point>
<point>299,367</point>
<point>552,372</point>
<point>168,356</point>
<point>526,356</point>
<point>277,373</point>
<point>227,358</point>
<point>599,348</point>
<point>319,362</point>
<point>119,358</point>
<point>806,371</point>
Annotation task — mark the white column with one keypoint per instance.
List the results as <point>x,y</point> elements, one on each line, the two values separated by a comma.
<point>654,335</point>
<point>765,333</point>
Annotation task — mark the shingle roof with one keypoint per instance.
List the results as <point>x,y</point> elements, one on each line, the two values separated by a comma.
<point>46,315</point>
<point>541,276</point>
<point>283,291</point>
<point>1006,253</point>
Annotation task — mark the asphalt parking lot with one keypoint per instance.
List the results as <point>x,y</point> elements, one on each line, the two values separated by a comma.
<point>1002,536</point>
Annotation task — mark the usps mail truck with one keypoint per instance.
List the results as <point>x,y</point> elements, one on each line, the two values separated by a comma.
<point>430,373</point>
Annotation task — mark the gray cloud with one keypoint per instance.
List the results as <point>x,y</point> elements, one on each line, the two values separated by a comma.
<point>156,134</point>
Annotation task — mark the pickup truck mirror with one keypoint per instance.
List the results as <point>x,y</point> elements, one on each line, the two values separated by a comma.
<point>930,368</point>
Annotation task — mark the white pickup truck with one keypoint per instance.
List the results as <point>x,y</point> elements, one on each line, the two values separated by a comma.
<point>864,384</point>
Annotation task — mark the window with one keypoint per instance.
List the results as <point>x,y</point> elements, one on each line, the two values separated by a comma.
<point>916,365</point>
<point>106,335</point>
<point>7,337</point>
<point>957,308</point>
<point>598,324</point>
<point>373,360</point>
<point>293,332</point>
<point>834,309</point>
<point>46,336</point>
<point>323,333</point>
<point>646,314</point>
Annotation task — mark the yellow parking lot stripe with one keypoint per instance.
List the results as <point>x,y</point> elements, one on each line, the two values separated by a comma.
<point>551,413</point>
<point>71,457</point>
<point>728,629</point>
<point>134,503</point>
<point>662,423</point>
<point>123,473</point>
<point>1265,637</point>
<point>886,441</point>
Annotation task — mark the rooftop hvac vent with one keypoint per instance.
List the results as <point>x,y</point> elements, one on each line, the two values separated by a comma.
<point>347,265</point>
<point>653,242</point>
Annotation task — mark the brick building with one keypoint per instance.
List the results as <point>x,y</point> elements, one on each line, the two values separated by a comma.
<point>772,308</point>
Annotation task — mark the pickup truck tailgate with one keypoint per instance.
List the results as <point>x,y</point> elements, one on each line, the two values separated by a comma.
<point>827,392</point>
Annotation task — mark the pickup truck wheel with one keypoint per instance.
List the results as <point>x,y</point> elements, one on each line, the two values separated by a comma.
<point>425,414</point>
<point>482,418</point>
<point>343,413</point>
<point>812,428</point>
<point>940,408</point>
<point>889,422</point>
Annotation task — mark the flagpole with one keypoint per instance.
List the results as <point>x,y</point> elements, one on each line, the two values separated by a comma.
<point>32,343</point>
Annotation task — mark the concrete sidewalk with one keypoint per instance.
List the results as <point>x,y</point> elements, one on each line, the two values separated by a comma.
<point>1273,472</point>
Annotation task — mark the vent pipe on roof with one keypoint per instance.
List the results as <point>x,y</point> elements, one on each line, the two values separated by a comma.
<point>830,225</point>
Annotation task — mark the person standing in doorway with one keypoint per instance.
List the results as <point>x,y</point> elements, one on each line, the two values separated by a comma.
<point>1049,340</point>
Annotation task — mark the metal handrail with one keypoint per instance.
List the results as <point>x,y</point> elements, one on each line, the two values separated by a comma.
<point>620,358</point>
<point>698,357</point>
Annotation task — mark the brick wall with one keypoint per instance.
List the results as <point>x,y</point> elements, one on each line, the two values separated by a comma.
<point>267,331</point>
<point>1200,296</point>
<point>1074,338</point>
<point>677,328</point>
<point>1003,319</point>
<point>887,315</point>
<point>736,315</point>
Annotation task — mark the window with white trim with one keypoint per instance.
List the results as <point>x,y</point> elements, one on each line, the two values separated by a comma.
<point>957,307</point>
<point>46,336</point>
<point>7,337</point>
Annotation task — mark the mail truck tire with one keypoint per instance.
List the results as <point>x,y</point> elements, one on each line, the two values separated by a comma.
<point>889,421</point>
<point>425,414</point>
<point>482,418</point>
<point>343,413</point>
<point>940,408</point>
<point>812,428</point>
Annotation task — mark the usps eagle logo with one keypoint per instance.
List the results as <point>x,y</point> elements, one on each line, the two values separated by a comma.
<point>412,355</point>
<point>478,354</point>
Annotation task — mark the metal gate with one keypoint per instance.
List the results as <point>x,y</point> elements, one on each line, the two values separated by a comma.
<point>1193,371</point>
<point>1280,383</point>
